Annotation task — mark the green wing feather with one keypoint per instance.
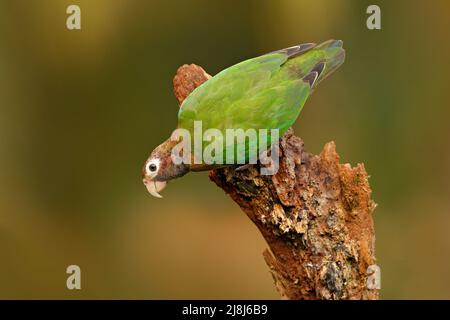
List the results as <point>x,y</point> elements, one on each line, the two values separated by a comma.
<point>266,92</point>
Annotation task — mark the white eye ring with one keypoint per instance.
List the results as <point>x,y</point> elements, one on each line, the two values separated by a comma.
<point>152,167</point>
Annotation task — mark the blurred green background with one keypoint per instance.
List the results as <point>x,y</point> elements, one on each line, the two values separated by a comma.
<point>81,110</point>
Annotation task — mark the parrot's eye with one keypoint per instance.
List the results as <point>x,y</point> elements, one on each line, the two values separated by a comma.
<point>152,168</point>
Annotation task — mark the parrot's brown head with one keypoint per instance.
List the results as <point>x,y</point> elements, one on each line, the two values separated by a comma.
<point>159,168</point>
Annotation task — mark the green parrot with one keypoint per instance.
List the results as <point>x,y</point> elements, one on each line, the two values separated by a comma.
<point>266,92</point>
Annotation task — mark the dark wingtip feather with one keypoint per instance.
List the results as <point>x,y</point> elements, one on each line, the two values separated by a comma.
<point>311,78</point>
<point>314,74</point>
<point>296,50</point>
<point>319,67</point>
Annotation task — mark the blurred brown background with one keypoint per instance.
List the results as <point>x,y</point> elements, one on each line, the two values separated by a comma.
<point>81,110</point>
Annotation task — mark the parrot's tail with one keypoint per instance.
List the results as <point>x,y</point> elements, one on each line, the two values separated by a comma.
<point>330,55</point>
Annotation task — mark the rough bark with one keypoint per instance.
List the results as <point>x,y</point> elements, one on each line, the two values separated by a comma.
<point>314,213</point>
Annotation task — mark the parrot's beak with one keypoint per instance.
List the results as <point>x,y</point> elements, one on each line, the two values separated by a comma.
<point>154,187</point>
